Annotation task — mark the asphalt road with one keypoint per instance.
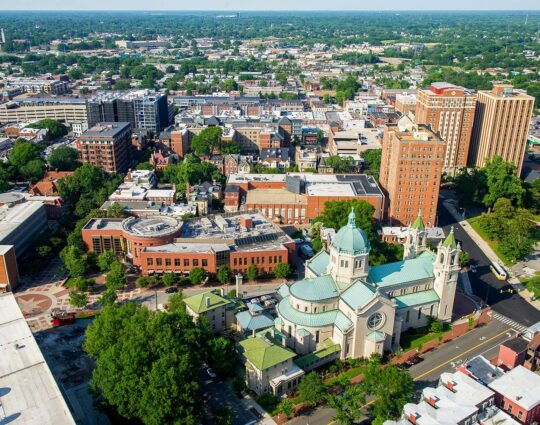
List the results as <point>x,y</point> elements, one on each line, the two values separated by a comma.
<point>481,341</point>
<point>484,284</point>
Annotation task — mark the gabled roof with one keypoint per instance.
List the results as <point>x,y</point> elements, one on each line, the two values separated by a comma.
<point>417,298</point>
<point>319,262</point>
<point>249,322</point>
<point>358,295</point>
<point>263,354</point>
<point>418,268</point>
<point>197,303</point>
<point>418,223</point>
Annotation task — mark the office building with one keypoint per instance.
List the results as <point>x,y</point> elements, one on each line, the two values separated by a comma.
<point>411,168</point>
<point>143,109</point>
<point>106,145</point>
<point>501,125</point>
<point>160,244</point>
<point>449,110</point>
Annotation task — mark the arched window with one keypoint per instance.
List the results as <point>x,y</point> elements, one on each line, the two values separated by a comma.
<point>442,258</point>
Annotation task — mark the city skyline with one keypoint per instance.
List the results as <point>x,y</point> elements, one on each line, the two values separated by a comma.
<point>278,5</point>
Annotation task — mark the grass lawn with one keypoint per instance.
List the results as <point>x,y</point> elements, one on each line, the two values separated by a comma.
<point>410,341</point>
<point>475,224</point>
<point>533,284</point>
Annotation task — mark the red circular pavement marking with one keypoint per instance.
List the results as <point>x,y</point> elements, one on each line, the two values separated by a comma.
<point>34,303</point>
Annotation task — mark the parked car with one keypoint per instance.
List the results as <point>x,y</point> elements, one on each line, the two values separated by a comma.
<point>299,241</point>
<point>211,372</point>
<point>171,290</point>
<point>473,268</point>
<point>414,360</point>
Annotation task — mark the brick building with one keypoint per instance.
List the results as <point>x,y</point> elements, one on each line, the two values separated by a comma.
<point>449,110</point>
<point>160,244</point>
<point>411,167</point>
<point>501,125</point>
<point>299,197</point>
<point>106,145</point>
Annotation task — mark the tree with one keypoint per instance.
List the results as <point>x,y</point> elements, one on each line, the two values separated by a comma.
<point>142,282</point>
<point>116,278</point>
<point>502,182</point>
<point>372,162</point>
<point>169,279</point>
<point>108,297</point>
<point>224,274</point>
<point>222,356</point>
<point>252,272</point>
<point>464,259</point>
<point>197,275</point>
<point>340,164</point>
<point>73,260</point>
<point>105,260</point>
<point>282,270</point>
<point>222,415</point>
<point>157,385</point>
<point>347,404</point>
<point>311,389</point>
<point>4,178</point>
<point>33,170</point>
<point>390,387</point>
<point>78,299</point>
<point>64,158</point>
<point>207,141</point>
<point>55,128</point>
<point>122,84</point>
<point>336,213</point>
<point>176,303</point>
<point>81,284</point>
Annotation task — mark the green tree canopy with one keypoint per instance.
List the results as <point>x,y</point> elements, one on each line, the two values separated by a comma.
<point>311,389</point>
<point>207,141</point>
<point>105,260</point>
<point>197,275</point>
<point>55,128</point>
<point>64,158</point>
<point>78,298</point>
<point>224,274</point>
<point>116,277</point>
<point>282,270</point>
<point>222,356</point>
<point>108,297</point>
<point>158,384</point>
<point>502,182</point>
<point>252,272</point>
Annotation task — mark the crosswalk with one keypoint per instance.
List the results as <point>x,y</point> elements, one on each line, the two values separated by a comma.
<point>512,323</point>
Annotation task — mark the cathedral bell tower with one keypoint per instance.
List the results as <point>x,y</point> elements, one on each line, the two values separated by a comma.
<point>416,241</point>
<point>446,269</point>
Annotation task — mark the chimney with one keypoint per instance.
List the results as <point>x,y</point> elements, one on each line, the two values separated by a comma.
<point>253,333</point>
<point>222,291</point>
<point>207,301</point>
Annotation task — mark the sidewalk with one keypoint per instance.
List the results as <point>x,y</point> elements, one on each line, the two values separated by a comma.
<point>483,245</point>
<point>265,419</point>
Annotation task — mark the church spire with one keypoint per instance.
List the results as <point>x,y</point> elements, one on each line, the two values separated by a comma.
<point>450,241</point>
<point>419,223</point>
<point>352,219</point>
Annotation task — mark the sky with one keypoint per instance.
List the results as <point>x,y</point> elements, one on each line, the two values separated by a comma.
<point>239,5</point>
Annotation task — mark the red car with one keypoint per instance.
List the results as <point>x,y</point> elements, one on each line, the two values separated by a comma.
<point>414,360</point>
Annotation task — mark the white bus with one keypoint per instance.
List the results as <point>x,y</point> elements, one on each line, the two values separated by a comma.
<point>498,271</point>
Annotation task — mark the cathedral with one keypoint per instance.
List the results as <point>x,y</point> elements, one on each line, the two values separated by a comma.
<point>361,310</point>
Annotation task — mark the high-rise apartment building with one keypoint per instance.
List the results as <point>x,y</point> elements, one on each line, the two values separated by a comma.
<point>501,125</point>
<point>141,108</point>
<point>411,167</point>
<point>449,110</point>
<point>106,145</point>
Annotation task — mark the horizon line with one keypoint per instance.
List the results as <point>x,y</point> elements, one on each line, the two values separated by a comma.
<point>270,10</point>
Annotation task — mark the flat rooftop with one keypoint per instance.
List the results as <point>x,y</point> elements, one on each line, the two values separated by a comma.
<point>152,226</point>
<point>180,247</point>
<point>517,385</point>
<point>272,196</point>
<point>105,130</point>
<point>28,392</point>
<point>11,217</point>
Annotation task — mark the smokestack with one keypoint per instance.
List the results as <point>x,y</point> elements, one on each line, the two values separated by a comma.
<point>207,301</point>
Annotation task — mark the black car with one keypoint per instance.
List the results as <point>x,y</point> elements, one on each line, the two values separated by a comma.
<point>171,290</point>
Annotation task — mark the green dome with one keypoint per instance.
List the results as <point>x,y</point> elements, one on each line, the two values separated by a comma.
<point>350,239</point>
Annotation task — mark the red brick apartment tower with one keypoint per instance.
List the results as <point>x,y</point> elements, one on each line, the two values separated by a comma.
<point>449,110</point>
<point>411,167</point>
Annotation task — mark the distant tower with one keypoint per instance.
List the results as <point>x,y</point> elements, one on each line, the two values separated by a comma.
<point>2,38</point>
<point>446,269</point>
<point>239,289</point>
<point>416,241</point>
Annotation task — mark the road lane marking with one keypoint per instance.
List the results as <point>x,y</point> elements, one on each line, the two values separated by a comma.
<point>461,354</point>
